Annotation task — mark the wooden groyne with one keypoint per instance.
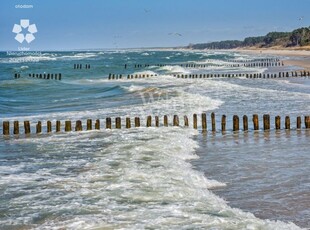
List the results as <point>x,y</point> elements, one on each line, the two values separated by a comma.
<point>214,75</point>
<point>80,66</point>
<point>202,121</point>
<point>47,76</point>
<point>206,65</point>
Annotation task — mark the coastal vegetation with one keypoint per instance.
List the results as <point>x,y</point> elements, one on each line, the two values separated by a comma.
<point>297,38</point>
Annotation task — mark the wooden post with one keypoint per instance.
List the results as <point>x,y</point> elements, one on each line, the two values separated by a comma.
<point>108,123</point>
<point>255,122</point>
<point>78,126</point>
<point>39,127</point>
<point>156,121</point>
<point>298,123</point>
<point>118,123</point>
<point>213,122</point>
<point>57,126</point>
<point>278,122</point>
<point>307,122</point>
<point>149,121</point>
<point>16,128</point>
<point>27,127</point>
<point>89,124</point>
<point>245,123</point>
<point>6,128</point>
<point>166,121</point>
<point>68,127</point>
<point>195,121</point>
<point>266,119</point>
<point>97,124</point>
<point>287,122</point>
<point>235,123</point>
<point>175,120</point>
<point>186,121</point>
<point>128,123</point>
<point>49,127</point>
<point>137,122</point>
<point>223,123</point>
<point>204,121</point>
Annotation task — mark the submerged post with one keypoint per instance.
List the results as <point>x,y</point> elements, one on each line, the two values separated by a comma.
<point>287,122</point>
<point>223,123</point>
<point>128,123</point>
<point>204,121</point>
<point>68,127</point>
<point>57,126</point>
<point>266,119</point>
<point>245,123</point>
<point>27,127</point>
<point>39,127</point>
<point>149,121</point>
<point>307,122</point>
<point>195,121</point>
<point>278,122</point>
<point>89,124</point>
<point>156,121</point>
<point>175,120</point>
<point>48,126</point>
<point>6,128</point>
<point>255,122</point>
<point>298,123</point>
<point>97,124</point>
<point>108,123</point>
<point>186,124</point>
<point>137,121</point>
<point>118,123</point>
<point>78,126</point>
<point>16,128</point>
<point>213,122</point>
<point>166,121</point>
<point>235,123</point>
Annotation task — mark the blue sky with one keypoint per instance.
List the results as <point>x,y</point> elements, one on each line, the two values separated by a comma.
<point>83,24</point>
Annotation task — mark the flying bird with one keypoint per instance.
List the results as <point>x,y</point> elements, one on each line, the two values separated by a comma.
<point>177,34</point>
<point>147,11</point>
<point>301,18</point>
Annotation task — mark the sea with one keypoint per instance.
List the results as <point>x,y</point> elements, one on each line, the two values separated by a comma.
<point>151,177</point>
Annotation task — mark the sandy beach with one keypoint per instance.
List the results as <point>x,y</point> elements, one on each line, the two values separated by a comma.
<point>299,58</point>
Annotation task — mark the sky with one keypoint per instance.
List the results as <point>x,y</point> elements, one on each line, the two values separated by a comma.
<point>96,24</point>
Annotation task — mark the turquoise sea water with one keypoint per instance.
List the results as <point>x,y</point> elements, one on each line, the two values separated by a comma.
<point>165,177</point>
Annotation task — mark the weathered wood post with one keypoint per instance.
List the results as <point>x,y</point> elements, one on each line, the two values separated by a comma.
<point>156,121</point>
<point>204,121</point>
<point>108,123</point>
<point>195,121</point>
<point>57,126</point>
<point>6,128</point>
<point>186,124</point>
<point>49,126</point>
<point>235,123</point>
<point>68,127</point>
<point>118,123</point>
<point>149,121</point>
<point>39,127</point>
<point>298,122</point>
<point>78,126</point>
<point>89,124</point>
<point>97,124</point>
<point>137,121</point>
<point>287,122</point>
<point>175,120</point>
<point>128,123</point>
<point>245,123</point>
<point>266,119</point>
<point>27,127</point>
<point>166,121</point>
<point>213,122</point>
<point>278,122</point>
<point>16,128</point>
<point>223,123</point>
<point>255,122</point>
<point>307,122</point>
